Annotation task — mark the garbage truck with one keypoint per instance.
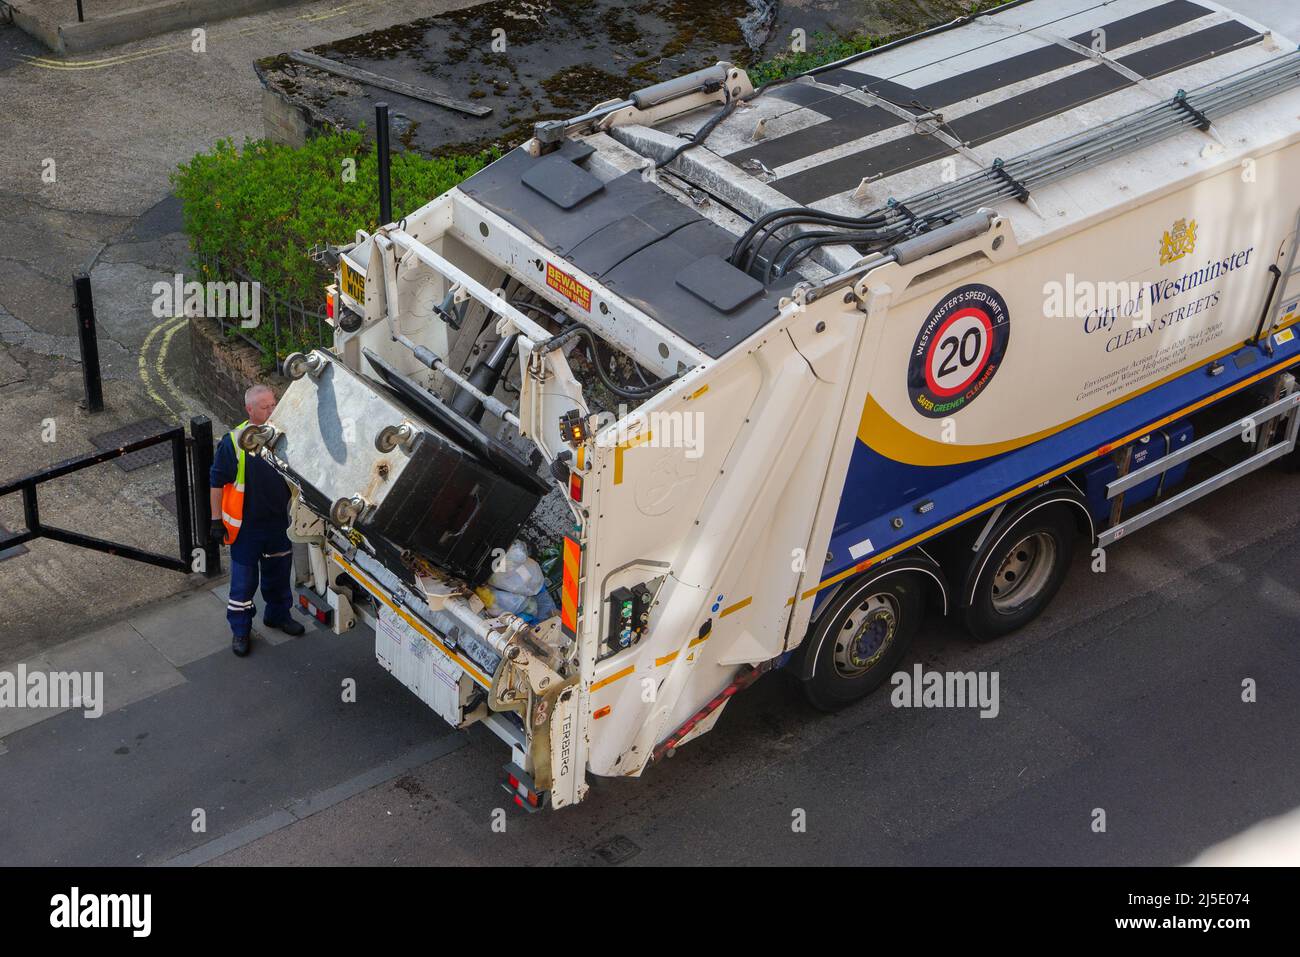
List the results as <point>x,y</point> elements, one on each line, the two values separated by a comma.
<point>715,380</point>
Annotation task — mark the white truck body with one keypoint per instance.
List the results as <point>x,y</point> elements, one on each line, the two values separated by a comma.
<point>832,422</point>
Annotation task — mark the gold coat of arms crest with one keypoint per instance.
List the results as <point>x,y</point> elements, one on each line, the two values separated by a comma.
<point>1177,241</point>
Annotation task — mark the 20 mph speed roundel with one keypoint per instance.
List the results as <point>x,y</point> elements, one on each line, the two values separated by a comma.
<point>958,350</point>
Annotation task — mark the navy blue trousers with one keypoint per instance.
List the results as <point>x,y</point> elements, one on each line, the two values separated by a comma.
<point>270,559</point>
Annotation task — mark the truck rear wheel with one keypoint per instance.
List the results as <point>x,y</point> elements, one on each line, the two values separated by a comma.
<point>860,639</point>
<point>1021,572</point>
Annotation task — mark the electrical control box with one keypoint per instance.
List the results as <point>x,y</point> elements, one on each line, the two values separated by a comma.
<point>629,616</point>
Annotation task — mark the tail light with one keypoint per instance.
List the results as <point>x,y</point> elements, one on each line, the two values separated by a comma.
<point>522,790</point>
<point>320,614</point>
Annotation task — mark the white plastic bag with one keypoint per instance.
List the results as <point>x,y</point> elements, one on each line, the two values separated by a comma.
<point>517,573</point>
<point>510,602</point>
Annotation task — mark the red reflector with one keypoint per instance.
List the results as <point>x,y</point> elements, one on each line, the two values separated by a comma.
<point>575,486</point>
<point>569,595</point>
<point>519,800</point>
<point>302,600</point>
<point>320,616</point>
<point>514,781</point>
<point>329,306</point>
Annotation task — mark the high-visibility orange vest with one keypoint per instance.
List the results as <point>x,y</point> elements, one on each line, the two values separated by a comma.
<point>232,496</point>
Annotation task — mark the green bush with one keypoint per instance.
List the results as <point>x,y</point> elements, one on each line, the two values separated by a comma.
<point>829,47</point>
<point>262,208</point>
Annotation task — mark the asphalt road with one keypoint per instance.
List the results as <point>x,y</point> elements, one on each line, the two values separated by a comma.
<point>1125,697</point>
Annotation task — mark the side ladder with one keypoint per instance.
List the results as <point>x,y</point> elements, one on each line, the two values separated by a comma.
<point>1284,410</point>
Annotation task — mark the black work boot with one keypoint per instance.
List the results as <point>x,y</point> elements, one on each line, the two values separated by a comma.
<point>240,645</point>
<point>288,626</point>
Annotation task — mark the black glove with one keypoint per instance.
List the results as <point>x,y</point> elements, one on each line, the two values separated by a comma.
<point>217,531</point>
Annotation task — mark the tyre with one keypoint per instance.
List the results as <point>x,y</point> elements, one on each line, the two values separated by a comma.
<point>859,640</point>
<point>1020,571</point>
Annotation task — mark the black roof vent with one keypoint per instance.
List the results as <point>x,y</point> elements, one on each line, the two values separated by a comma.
<point>720,284</point>
<point>564,184</point>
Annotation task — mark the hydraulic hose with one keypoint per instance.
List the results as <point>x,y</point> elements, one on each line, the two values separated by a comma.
<point>622,391</point>
<point>745,252</point>
<point>700,135</point>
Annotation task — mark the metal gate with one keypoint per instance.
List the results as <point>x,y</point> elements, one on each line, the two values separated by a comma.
<point>191,460</point>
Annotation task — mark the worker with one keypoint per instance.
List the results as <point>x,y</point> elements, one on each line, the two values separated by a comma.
<point>252,501</point>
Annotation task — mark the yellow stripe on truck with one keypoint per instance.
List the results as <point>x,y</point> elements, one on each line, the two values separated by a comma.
<point>371,586</point>
<point>881,432</point>
<point>623,447</point>
<point>616,676</point>
<point>736,607</point>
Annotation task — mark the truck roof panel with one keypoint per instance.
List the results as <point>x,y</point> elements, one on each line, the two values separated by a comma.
<point>1001,85</point>
<point>951,85</point>
<point>639,241</point>
<point>1004,115</point>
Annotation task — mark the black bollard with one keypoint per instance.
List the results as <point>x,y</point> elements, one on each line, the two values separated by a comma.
<point>381,145</point>
<point>94,401</point>
<point>201,463</point>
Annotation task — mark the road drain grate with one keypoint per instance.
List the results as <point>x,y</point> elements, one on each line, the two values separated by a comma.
<point>134,433</point>
<point>616,850</point>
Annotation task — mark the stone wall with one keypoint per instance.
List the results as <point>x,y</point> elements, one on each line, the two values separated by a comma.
<point>284,122</point>
<point>224,368</point>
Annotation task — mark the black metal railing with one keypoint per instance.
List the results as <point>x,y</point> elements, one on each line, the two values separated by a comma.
<point>293,326</point>
<point>191,460</point>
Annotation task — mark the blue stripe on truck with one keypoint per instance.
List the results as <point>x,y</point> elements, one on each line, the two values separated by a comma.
<point>878,490</point>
